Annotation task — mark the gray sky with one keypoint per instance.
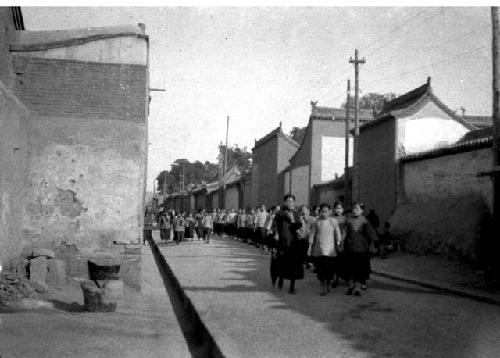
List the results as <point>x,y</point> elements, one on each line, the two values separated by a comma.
<point>263,65</point>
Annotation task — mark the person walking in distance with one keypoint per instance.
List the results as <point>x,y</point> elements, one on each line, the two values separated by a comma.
<point>261,227</point>
<point>249,226</point>
<point>147,233</point>
<point>208,227</point>
<point>165,226</point>
<point>323,246</point>
<point>338,214</point>
<point>289,254</point>
<point>179,227</point>
<point>359,239</point>
<point>242,217</point>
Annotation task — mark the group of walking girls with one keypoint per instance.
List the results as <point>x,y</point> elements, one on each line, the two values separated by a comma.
<point>337,246</point>
<point>181,226</point>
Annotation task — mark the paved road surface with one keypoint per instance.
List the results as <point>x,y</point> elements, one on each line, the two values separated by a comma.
<point>228,282</point>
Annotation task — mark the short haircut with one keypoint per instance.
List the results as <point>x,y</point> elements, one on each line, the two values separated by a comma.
<point>337,203</point>
<point>288,196</point>
<point>361,205</point>
<point>324,205</point>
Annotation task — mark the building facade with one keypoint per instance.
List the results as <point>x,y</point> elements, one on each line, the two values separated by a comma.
<point>83,96</point>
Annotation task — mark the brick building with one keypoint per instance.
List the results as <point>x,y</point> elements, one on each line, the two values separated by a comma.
<point>321,156</point>
<point>414,122</point>
<point>270,157</point>
<point>80,99</point>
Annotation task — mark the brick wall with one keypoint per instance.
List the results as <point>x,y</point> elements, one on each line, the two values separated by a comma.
<point>81,89</point>
<point>377,168</point>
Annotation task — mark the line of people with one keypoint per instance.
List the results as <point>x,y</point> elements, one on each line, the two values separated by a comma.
<point>333,244</point>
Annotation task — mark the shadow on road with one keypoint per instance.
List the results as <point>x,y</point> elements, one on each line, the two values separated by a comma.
<point>390,319</point>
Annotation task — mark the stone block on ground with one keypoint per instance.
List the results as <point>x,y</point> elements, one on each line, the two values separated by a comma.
<point>113,291</point>
<point>101,296</point>
<point>47,253</point>
<point>40,287</point>
<point>56,275</point>
<point>38,271</point>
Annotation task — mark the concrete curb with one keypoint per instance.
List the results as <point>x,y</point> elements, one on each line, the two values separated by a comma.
<point>441,288</point>
<point>199,331</point>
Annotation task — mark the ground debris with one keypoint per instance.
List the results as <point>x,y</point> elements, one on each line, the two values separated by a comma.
<point>14,284</point>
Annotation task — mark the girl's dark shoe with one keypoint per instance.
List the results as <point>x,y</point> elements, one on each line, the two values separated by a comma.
<point>280,283</point>
<point>357,293</point>
<point>291,291</point>
<point>349,292</point>
<point>335,284</point>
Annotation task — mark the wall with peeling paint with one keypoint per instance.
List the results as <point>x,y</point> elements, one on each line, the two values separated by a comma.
<point>14,171</point>
<point>85,183</point>
<point>87,151</point>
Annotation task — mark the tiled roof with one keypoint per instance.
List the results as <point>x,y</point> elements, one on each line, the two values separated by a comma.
<point>411,102</point>
<point>275,132</point>
<point>318,112</point>
<point>477,134</point>
<point>459,147</point>
<point>407,99</point>
<point>479,121</point>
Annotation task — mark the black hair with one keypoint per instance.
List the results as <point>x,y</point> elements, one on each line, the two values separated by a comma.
<point>337,203</point>
<point>288,196</point>
<point>324,205</point>
<point>361,205</point>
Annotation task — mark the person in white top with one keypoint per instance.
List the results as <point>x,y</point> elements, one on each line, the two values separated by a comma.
<point>323,246</point>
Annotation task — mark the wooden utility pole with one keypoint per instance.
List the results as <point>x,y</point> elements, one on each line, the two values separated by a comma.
<point>496,117</point>
<point>225,166</point>
<point>355,173</point>
<point>347,201</point>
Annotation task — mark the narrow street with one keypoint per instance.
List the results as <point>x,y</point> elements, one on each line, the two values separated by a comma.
<point>228,283</point>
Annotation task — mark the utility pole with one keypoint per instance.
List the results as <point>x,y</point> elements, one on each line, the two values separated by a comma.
<point>347,201</point>
<point>496,122</point>
<point>225,165</point>
<point>355,173</point>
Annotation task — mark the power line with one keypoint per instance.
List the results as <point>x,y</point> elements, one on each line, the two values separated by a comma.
<point>403,32</point>
<point>433,47</point>
<point>434,64</point>
<point>404,23</point>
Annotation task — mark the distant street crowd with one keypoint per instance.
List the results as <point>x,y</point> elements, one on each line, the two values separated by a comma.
<point>334,243</point>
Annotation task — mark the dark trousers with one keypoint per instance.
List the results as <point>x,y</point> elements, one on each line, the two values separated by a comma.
<point>147,235</point>
<point>179,236</point>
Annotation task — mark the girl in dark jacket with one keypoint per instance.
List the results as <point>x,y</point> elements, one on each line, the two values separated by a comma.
<point>289,253</point>
<point>359,238</point>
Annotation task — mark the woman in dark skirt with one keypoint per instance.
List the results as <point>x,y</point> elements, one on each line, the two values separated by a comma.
<point>289,253</point>
<point>338,214</point>
<point>359,237</point>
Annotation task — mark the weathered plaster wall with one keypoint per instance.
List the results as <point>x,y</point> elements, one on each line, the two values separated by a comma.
<point>445,205</point>
<point>231,198</point>
<point>14,126</point>
<point>300,184</point>
<point>7,33</point>
<point>265,157</point>
<point>377,168</point>
<point>87,156</point>
<point>85,182</point>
